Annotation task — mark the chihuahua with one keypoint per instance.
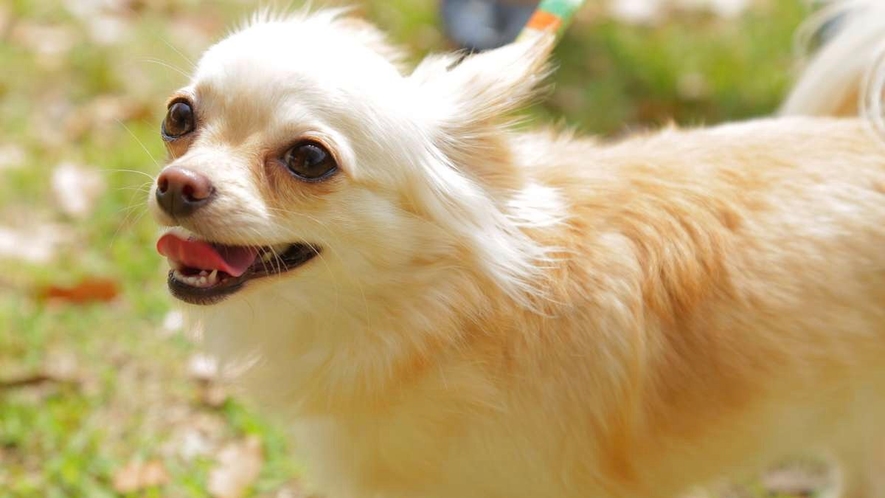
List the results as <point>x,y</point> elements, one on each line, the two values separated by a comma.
<point>441,304</point>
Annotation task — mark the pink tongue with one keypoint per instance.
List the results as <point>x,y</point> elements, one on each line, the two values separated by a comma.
<point>233,260</point>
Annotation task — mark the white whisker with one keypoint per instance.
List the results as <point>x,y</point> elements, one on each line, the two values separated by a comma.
<point>166,65</point>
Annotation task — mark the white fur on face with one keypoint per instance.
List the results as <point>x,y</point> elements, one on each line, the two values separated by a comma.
<point>409,214</point>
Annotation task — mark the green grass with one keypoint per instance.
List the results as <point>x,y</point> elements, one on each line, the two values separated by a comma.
<point>131,398</point>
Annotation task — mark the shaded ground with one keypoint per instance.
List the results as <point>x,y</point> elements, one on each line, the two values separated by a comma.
<point>101,393</point>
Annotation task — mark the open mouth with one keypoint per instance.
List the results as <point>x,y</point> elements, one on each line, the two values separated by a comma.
<point>203,272</point>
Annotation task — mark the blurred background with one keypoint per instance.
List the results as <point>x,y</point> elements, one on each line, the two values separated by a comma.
<point>102,392</point>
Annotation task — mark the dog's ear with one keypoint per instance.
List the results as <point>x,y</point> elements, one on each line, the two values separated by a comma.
<point>464,106</point>
<point>469,100</point>
<point>488,85</point>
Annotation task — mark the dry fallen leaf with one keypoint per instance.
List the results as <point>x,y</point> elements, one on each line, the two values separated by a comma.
<point>49,43</point>
<point>202,367</point>
<point>213,395</point>
<point>723,8</point>
<point>37,244</point>
<point>191,443</point>
<point>24,381</point>
<point>136,476</point>
<point>238,466</point>
<point>86,9</point>
<point>292,490</point>
<point>653,12</point>
<point>61,365</point>
<point>693,86</point>
<point>103,114</point>
<point>636,11</point>
<point>77,188</point>
<point>796,480</point>
<point>192,34</point>
<point>11,155</point>
<point>5,19</point>
<point>85,291</point>
<point>173,323</point>
<point>108,29</point>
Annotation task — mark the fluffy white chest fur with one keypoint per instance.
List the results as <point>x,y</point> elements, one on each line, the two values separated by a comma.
<point>444,307</point>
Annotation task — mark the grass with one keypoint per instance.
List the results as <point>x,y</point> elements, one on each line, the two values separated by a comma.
<point>72,91</point>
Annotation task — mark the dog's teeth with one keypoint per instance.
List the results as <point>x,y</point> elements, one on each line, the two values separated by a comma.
<point>203,273</point>
<point>203,282</point>
<point>267,257</point>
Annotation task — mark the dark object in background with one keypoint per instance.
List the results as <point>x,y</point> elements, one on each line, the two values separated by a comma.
<point>830,29</point>
<point>479,25</point>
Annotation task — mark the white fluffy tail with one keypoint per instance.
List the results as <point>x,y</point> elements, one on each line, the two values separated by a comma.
<point>846,76</point>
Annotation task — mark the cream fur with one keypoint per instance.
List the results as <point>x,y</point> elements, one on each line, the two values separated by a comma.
<point>508,314</point>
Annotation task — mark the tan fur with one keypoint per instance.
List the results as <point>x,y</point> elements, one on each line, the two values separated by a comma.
<point>675,308</point>
<point>719,309</point>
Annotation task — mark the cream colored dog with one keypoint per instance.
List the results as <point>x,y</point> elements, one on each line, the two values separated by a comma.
<point>443,306</point>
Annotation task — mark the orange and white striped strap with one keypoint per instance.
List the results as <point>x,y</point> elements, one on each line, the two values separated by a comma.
<point>550,16</point>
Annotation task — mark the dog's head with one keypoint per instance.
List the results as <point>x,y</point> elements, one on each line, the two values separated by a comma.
<point>307,166</point>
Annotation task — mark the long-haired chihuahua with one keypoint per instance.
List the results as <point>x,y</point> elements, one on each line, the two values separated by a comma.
<point>442,305</point>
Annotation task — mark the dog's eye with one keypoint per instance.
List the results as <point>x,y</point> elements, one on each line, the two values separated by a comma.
<point>310,161</point>
<point>179,120</point>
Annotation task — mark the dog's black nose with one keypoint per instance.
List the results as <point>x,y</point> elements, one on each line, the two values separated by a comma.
<point>181,191</point>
